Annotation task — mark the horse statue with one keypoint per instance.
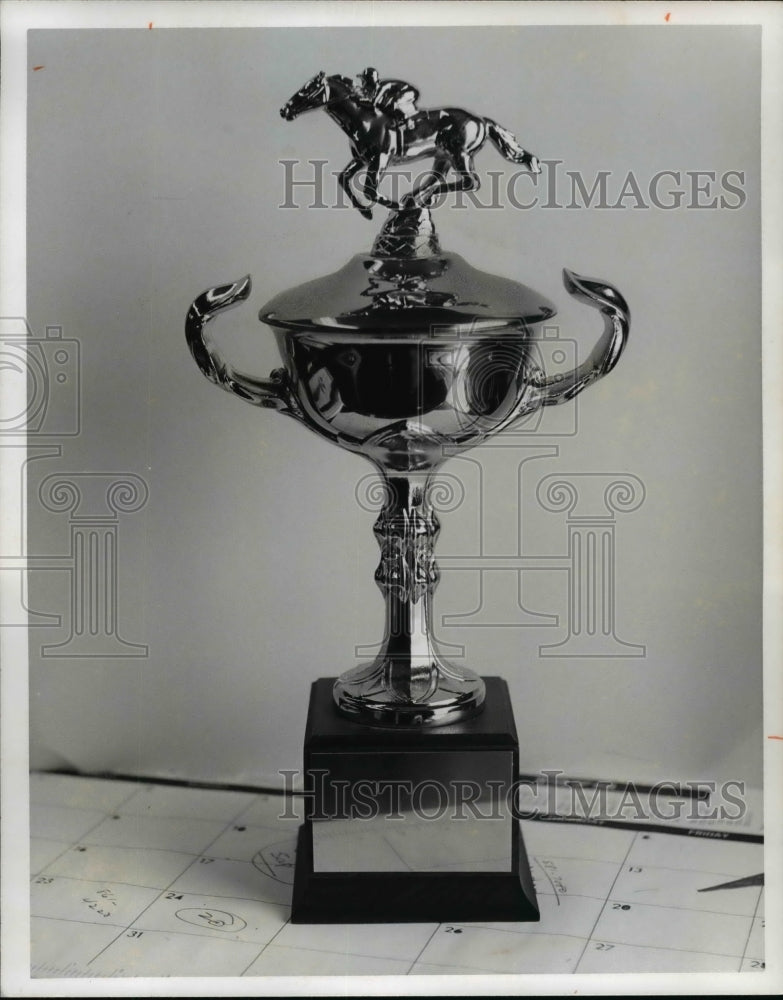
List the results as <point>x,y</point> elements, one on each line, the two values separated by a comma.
<point>384,127</point>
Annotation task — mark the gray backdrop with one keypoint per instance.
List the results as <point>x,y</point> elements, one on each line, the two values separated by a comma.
<point>154,172</point>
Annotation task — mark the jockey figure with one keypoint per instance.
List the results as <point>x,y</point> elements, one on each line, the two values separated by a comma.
<point>394,98</point>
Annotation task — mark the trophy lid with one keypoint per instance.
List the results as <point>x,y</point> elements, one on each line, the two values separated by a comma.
<point>407,285</point>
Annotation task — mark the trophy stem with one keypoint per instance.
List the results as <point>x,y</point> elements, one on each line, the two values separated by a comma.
<point>407,575</point>
<point>408,684</point>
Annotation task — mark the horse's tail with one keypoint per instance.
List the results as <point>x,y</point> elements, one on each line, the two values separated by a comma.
<point>506,144</point>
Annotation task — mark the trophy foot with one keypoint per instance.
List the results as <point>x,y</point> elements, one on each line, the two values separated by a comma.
<point>370,696</point>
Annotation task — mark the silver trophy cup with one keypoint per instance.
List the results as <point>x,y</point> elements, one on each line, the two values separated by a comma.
<point>408,355</point>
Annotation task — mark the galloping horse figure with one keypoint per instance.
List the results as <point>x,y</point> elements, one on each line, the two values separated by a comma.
<point>382,133</point>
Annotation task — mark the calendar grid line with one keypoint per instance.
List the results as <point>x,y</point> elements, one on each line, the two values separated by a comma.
<point>152,902</point>
<point>675,906</point>
<point>57,857</point>
<point>524,932</point>
<point>659,947</point>
<point>71,846</point>
<point>635,902</point>
<point>101,881</point>
<point>263,949</point>
<point>189,934</point>
<point>575,857</point>
<point>750,929</point>
<point>608,896</point>
<point>474,969</point>
<point>201,934</point>
<point>424,948</point>
<point>73,920</point>
<point>589,938</point>
<point>325,951</point>
<point>136,847</point>
<point>668,868</point>
<point>222,895</point>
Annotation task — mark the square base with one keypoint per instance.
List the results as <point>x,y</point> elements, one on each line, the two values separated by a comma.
<point>413,824</point>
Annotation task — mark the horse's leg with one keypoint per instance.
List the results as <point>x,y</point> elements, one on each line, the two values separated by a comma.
<point>422,193</point>
<point>344,181</point>
<point>376,168</point>
<point>469,180</point>
<point>466,180</point>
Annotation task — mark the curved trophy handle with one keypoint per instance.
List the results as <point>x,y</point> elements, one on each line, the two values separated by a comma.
<point>274,392</point>
<point>606,353</point>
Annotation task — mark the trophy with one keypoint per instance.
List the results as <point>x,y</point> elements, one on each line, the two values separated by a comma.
<point>408,355</point>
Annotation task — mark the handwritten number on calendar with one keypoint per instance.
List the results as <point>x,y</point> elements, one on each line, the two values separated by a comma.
<point>603,946</point>
<point>43,880</point>
<point>277,861</point>
<point>620,906</point>
<point>635,868</point>
<point>104,904</point>
<point>136,934</point>
<point>453,930</point>
<point>218,920</point>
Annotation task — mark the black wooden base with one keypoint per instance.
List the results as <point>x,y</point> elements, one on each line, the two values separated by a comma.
<point>373,859</point>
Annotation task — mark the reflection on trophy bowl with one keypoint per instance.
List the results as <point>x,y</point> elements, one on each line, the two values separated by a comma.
<point>405,358</point>
<point>401,402</point>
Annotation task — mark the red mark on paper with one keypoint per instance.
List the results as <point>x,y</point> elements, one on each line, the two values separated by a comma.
<point>775,737</point>
<point>666,17</point>
<point>36,68</point>
<point>149,25</point>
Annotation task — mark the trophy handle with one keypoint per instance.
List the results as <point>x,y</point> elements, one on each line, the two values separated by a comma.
<point>606,353</point>
<point>274,392</point>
